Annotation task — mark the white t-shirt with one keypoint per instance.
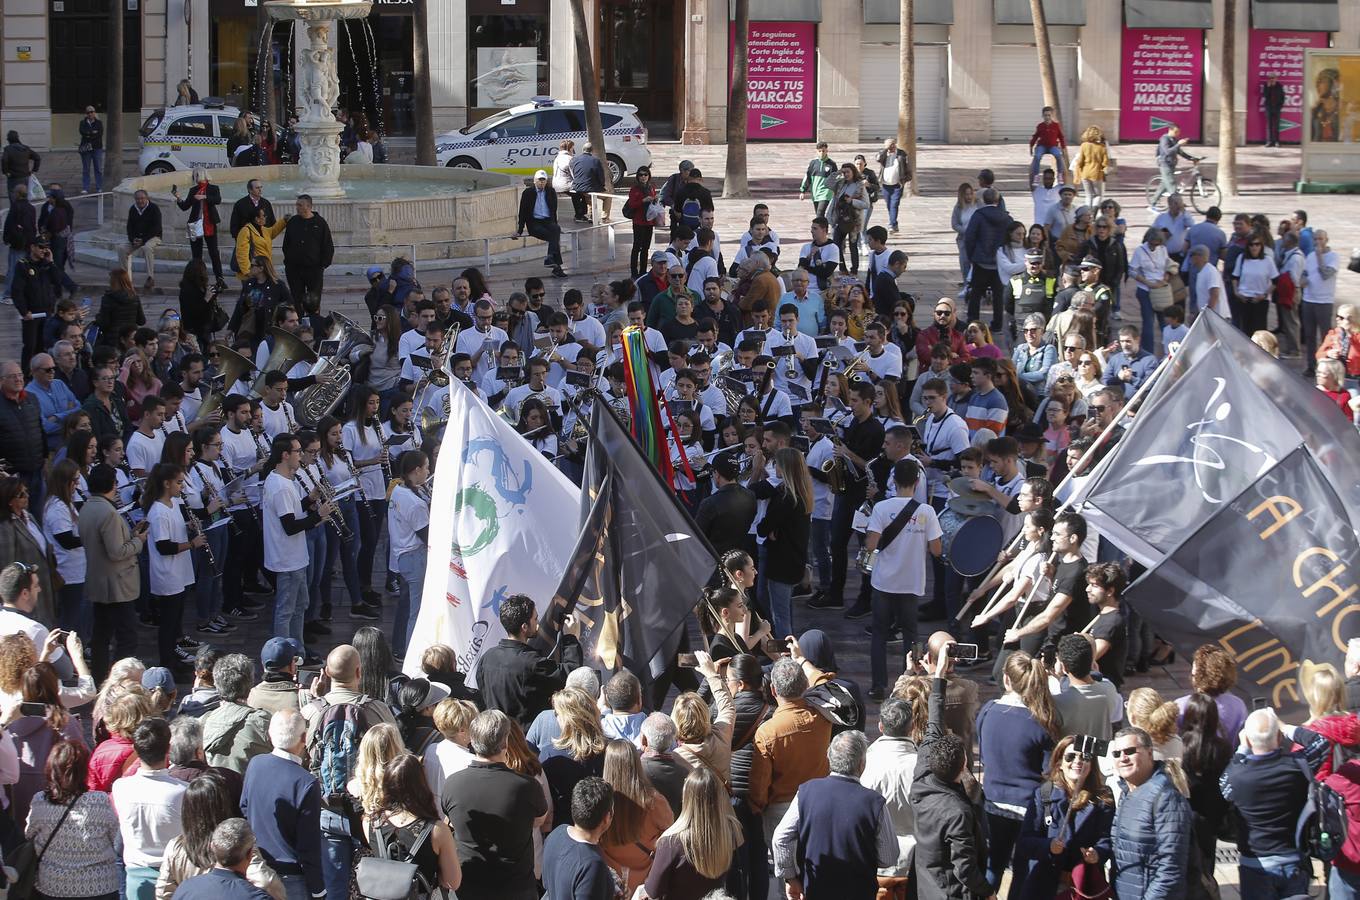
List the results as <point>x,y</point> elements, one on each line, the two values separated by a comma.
<point>557,371</point>
<point>278,421</point>
<point>174,423</point>
<point>944,440</point>
<point>901,568</point>
<point>822,498</point>
<point>1316,288</point>
<point>188,407</point>
<point>1045,200</point>
<point>239,450</point>
<point>804,344</point>
<point>408,342</point>
<point>144,452</point>
<point>372,476</point>
<point>57,519</point>
<point>283,552</point>
<point>470,341</point>
<point>201,476</point>
<point>777,408</point>
<point>169,574</point>
<point>1209,280</point>
<point>589,330</point>
<point>704,268</point>
<point>887,364</point>
<point>442,759</point>
<point>518,395</point>
<point>1254,276</point>
<point>409,372</point>
<point>407,513</point>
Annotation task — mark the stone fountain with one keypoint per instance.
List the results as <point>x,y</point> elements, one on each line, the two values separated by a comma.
<point>317,128</point>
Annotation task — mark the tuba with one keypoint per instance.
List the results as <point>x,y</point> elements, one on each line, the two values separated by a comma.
<point>722,364</point>
<point>333,373</point>
<point>234,368</point>
<point>288,351</point>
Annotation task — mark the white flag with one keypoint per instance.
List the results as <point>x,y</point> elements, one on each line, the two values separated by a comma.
<point>503,520</point>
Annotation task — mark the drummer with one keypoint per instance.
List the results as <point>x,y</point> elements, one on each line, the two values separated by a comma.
<point>1002,480</point>
<point>964,503</point>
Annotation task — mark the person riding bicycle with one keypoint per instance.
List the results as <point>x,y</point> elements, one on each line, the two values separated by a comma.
<point>1169,147</point>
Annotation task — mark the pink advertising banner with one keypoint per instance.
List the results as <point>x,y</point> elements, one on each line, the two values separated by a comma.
<point>1278,53</point>
<point>781,79</point>
<point>1163,82</point>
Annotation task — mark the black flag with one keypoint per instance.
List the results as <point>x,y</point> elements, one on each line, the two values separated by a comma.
<point>640,563</point>
<point>1272,576</point>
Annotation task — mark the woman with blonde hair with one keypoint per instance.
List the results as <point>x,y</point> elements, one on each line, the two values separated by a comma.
<point>1146,709</point>
<point>641,814</point>
<point>1016,734</point>
<point>1342,343</point>
<point>964,207</point>
<point>703,739</point>
<point>115,757</point>
<point>582,740</point>
<point>1067,824</point>
<point>1267,341</point>
<point>694,855</point>
<point>785,528</point>
<point>1324,689</point>
<point>1092,164</point>
<point>381,744</point>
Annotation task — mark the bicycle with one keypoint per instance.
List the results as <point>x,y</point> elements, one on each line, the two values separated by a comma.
<point>1190,183</point>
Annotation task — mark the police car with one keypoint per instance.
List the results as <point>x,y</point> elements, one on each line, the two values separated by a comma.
<point>523,139</point>
<point>183,137</point>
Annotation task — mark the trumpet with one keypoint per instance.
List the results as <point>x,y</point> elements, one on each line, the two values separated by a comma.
<point>861,362</point>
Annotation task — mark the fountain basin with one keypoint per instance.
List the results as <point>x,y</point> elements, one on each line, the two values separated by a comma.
<point>317,10</point>
<point>452,216</point>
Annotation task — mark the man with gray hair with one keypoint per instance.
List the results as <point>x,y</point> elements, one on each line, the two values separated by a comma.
<point>55,399</point>
<point>232,845</point>
<point>282,801</point>
<point>790,746</point>
<point>187,760</point>
<point>666,769</point>
<point>493,813</point>
<point>234,732</point>
<point>889,769</point>
<point>1151,836</point>
<point>1209,292</point>
<point>143,236</point>
<point>1267,784</point>
<point>836,832</point>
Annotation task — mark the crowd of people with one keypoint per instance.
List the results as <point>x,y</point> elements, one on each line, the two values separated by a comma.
<point>186,477</point>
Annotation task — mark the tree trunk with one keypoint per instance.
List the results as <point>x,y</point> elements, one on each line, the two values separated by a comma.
<point>113,125</point>
<point>734,179</point>
<point>1227,112</point>
<point>906,97</point>
<point>590,91</point>
<point>420,41</point>
<point>1046,72</point>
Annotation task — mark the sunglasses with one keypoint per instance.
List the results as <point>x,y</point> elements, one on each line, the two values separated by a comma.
<point>1073,756</point>
<point>538,295</point>
<point>1072,349</point>
<point>26,568</point>
<point>942,313</point>
<point>1095,409</point>
<point>1256,244</point>
<point>1033,330</point>
<point>1127,751</point>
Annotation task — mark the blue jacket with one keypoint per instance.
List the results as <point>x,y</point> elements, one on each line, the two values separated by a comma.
<point>1014,749</point>
<point>1037,871</point>
<point>219,884</point>
<point>1142,363</point>
<point>282,802</point>
<point>985,233</point>
<point>1151,841</point>
<point>55,403</point>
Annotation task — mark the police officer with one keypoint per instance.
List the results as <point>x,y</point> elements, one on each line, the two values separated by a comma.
<point>37,285</point>
<point>1031,291</point>
<point>1104,297</point>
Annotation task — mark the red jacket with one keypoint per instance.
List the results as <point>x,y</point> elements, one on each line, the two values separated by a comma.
<point>1352,360</point>
<point>111,760</point>
<point>1346,782</point>
<point>929,337</point>
<point>639,199</point>
<point>1047,134</point>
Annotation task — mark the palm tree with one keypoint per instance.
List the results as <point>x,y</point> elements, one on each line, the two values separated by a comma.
<point>734,179</point>
<point>424,110</point>
<point>1047,75</point>
<point>590,91</point>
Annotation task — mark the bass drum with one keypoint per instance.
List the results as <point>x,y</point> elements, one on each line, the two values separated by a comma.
<point>975,546</point>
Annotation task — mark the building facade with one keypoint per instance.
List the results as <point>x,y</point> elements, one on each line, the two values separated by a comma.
<point>820,69</point>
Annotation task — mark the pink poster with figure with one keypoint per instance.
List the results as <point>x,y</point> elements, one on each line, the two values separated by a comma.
<point>1162,83</point>
<point>1278,54</point>
<point>781,80</point>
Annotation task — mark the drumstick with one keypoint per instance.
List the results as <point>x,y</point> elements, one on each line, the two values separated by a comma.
<point>1020,614</point>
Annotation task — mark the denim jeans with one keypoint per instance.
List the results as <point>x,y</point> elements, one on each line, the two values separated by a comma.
<point>1040,151</point>
<point>337,851</point>
<point>141,883</point>
<point>290,603</point>
<point>347,551</point>
<point>1148,335</point>
<point>889,608</point>
<point>295,887</point>
<point>780,597</point>
<point>1274,883</point>
<point>76,612</point>
<point>209,590</point>
<point>820,552</point>
<point>762,591</point>
<point>892,195</point>
<point>92,159</point>
<point>411,569</point>
<point>1342,885</point>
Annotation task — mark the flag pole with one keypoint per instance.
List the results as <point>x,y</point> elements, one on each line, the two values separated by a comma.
<point>1086,457</point>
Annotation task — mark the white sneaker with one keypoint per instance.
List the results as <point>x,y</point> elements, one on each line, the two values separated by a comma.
<point>1154,210</point>
<point>6,301</point>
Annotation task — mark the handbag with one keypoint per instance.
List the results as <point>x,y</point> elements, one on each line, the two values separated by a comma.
<point>217,316</point>
<point>1089,883</point>
<point>1161,297</point>
<point>26,860</point>
<point>379,877</point>
<point>195,230</point>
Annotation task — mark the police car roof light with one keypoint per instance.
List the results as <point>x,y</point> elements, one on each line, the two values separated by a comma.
<point>214,103</point>
<point>542,101</point>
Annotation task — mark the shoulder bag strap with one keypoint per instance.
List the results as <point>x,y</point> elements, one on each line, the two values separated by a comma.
<point>60,822</point>
<point>751,732</point>
<point>898,523</point>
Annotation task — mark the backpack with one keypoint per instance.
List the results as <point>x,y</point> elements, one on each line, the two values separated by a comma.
<point>391,873</point>
<point>835,702</point>
<point>334,749</point>
<point>689,212</point>
<point>1285,290</point>
<point>1323,825</point>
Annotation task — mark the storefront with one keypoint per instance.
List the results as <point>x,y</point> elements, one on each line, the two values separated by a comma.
<point>507,54</point>
<point>374,60</point>
<point>78,58</point>
<point>1280,33</point>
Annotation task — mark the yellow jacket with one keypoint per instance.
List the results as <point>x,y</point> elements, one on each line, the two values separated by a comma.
<point>1092,161</point>
<point>251,242</point>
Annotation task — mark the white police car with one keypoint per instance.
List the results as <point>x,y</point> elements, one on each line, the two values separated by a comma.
<point>523,139</point>
<point>182,137</point>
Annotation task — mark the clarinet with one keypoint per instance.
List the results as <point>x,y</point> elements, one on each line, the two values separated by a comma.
<point>196,530</point>
<point>358,476</point>
<point>383,459</point>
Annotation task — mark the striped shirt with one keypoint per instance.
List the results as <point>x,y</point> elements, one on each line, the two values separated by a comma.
<point>987,410</point>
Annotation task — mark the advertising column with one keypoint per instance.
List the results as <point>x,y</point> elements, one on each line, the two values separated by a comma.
<point>781,101</point>
<point>1162,82</point>
<point>1278,54</point>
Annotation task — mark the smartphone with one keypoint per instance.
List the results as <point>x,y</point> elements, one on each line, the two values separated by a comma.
<point>918,651</point>
<point>965,652</point>
<point>1260,702</point>
<point>686,660</point>
<point>774,647</point>
<point>32,709</point>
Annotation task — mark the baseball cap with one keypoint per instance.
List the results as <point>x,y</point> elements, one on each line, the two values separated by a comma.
<point>540,174</point>
<point>1067,189</point>
<point>373,270</point>
<point>279,652</point>
<point>658,256</point>
<point>158,677</point>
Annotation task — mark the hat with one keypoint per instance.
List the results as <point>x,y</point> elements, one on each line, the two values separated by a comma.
<point>658,256</point>
<point>374,270</point>
<point>39,241</point>
<point>158,677</point>
<point>944,301</point>
<point>434,693</point>
<point>1083,211</point>
<point>279,652</point>
<point>1067,189</point>
<point>1091,262</point>
<point>727,465</point>
<point>686,165</point>
<point>1030,431</point>
<point>540,174</point>
<point>1034,256</point>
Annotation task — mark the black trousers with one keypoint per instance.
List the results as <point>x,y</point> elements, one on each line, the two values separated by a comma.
<point>842,517</point>
<point>1273,125</point>
<point>196,249</point>
<point>170,613</point>
<point>982,280</point>
<point>244,555</point>
<point>304,282</point>
<point>549,232</point>
<point>115,625</point>
<point>639,259</point>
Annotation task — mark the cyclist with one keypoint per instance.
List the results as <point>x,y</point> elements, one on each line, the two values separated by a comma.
<point>1169,147</point>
